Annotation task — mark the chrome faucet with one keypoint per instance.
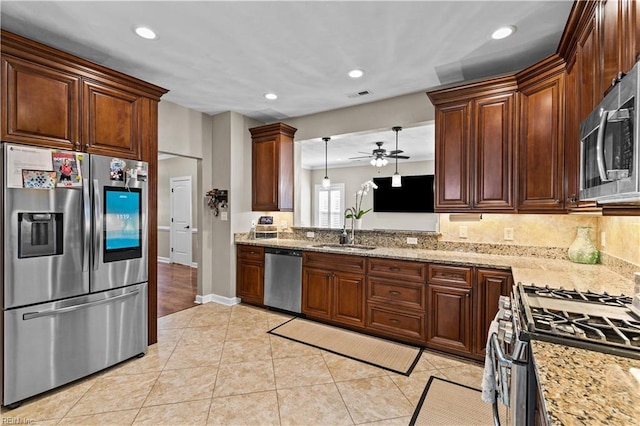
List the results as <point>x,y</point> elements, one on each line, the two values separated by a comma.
<point>350,238</point>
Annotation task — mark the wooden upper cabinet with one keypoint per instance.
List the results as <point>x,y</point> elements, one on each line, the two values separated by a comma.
<point>111,121</point>
<point>541,140</point>
<point>272,171</point>
<point>493,152</point>
<point>452,157</point>
<point>40,103</point>
<point>475,146</point>
<point>53,99</point>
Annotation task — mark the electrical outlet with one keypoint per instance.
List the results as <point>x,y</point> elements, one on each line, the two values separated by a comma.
<point>508,234</point>
<point>223,216</point>
<point>253,223</point>
<point>412,240</point>
<point>603,239</point>
<point>311,234</point>
<point>462,232</point>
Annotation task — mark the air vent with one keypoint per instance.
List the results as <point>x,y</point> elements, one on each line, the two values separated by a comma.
<point>358,94</point>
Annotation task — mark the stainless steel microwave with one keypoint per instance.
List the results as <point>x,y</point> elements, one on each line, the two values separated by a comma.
<point>609,146</point>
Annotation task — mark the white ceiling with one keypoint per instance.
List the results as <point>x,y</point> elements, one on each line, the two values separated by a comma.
<point>217,56</point>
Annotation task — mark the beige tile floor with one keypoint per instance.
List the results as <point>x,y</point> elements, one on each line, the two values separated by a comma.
<point>216,365</point>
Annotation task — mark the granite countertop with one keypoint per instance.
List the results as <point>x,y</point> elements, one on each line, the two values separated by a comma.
<point>527,270</point>
<point>582,387</point>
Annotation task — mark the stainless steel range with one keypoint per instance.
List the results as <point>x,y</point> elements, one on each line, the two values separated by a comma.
<point>598,322</point>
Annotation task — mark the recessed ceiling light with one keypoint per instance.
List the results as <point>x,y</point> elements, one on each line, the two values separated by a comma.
<point>146,32</point>
<point>271,96</point>
<point>356,73</point>
<point>503,32</point>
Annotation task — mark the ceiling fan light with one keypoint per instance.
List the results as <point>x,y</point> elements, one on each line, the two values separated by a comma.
<point>385,161</point>
<point>396,180</point>
<point>373,162</point>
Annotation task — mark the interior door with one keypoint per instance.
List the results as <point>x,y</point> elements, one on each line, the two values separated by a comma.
<point>180,229</point>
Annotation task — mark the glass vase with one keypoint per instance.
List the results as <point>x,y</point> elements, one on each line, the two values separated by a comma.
<point>582,249</point>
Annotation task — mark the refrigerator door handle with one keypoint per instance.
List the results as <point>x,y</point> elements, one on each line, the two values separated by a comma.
<point>97,217</point>
<point>32,315</point>
<point>86,246</point>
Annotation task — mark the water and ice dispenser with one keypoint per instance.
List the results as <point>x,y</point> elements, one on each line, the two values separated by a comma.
<point>40,234</point>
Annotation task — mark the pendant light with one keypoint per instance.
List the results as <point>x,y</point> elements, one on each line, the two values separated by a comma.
<point>326,182</point>
<point>396,179</point>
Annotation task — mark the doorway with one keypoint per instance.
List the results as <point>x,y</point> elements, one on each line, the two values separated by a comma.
<point>177,233</point>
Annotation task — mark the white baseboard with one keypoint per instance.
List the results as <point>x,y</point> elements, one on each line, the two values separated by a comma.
<point>227,301</point>
<point>168,260</point>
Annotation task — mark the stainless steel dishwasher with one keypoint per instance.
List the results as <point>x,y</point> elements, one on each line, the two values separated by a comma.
<point>283,279</point>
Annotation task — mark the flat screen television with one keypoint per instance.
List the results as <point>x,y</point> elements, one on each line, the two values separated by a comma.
<point>416,195</point>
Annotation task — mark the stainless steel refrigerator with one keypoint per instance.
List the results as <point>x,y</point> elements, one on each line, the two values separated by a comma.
<point>74,266</point>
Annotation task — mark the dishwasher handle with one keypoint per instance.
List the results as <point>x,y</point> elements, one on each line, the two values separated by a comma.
<point>283,252</point>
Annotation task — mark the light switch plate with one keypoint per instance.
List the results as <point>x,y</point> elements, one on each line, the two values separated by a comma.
<point>223,216</point>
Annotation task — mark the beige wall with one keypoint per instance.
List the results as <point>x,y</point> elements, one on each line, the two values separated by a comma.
<point>168,168</point>
<point>528,229</point>
<point>622,234</point>
<point>353,177</point>
<point>622,237</point>
<point>186,132</point>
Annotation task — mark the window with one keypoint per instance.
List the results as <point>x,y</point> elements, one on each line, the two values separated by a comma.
<point>329,204</point>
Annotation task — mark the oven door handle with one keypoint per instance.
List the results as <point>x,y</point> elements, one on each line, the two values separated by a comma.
<point>602,170</point>
<point>501,367</point>
<point>502,359</point>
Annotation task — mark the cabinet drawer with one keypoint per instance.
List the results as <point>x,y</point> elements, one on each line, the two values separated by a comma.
<point>450,275</point>
<point>399,324</point>
<point>251,253</point>
<point>387,291</point>
<point>333,262</point>
<point>405,270</point>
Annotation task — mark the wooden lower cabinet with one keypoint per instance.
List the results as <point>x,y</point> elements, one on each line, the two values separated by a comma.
<point>490,285</point>
<point>333,289</point>
<point>250,274</point>
<point>449,319</point>
<point>348,299</point>
<point>333,296</point>
<point>396,323</point>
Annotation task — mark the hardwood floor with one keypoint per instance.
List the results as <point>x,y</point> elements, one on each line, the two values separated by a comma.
<point>177,288</point>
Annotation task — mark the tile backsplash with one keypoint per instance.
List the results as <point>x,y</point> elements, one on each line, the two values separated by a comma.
<point>527,229</point>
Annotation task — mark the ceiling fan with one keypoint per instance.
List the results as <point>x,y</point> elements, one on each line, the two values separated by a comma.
<point>381,154</point>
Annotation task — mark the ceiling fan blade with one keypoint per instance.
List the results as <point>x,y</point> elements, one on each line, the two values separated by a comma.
<point>355,158</point>
<point>368,153</point>
<point>399,151</point>
<point>399,156</point>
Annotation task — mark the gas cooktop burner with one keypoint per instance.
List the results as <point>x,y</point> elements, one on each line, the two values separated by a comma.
<point>561,293</point>
<point>599,322</point>
<point>623,332</point>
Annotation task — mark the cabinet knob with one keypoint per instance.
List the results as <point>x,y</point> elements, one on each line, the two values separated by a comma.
<point>394,292</point>
<point>87,146</point>
<point>77,145</point>
<point>394,321</point>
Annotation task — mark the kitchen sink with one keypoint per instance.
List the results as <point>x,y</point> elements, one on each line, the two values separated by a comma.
<point>344,247</point>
